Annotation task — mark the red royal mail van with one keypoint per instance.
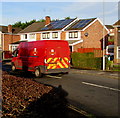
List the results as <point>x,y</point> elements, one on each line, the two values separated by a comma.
<point>42,57</point>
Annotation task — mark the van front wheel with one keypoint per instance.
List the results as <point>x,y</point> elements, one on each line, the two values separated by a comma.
<point>38,73</point>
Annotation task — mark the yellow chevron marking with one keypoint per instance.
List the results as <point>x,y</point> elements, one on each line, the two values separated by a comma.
<point>66,58</point>
<point>60,65</point>
<point>48,67</point>
<point>64,63</point>
<point>53,67</point>
<point>49,60</point>
<point>55,59</point>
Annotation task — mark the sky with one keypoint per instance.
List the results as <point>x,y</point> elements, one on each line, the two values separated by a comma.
<point>14,11</point>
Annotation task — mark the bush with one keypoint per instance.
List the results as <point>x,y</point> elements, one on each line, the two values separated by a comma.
<point>109,65</point>
<point>86,60</point>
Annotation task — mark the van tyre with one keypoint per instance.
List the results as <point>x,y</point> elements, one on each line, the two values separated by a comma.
<point>38,73</point>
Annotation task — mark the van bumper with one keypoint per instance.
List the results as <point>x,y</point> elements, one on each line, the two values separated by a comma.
<point>58,70</point>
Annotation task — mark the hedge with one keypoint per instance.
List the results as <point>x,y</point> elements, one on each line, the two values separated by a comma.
<point>86,61</point>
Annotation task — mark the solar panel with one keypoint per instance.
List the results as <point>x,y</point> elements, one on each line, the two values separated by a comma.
<point>57,24</point>
<point>45,28</point>
<point>63,23</point>
<point>81,23</point>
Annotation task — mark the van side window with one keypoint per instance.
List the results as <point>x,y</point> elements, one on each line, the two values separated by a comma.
<point>15,53</point>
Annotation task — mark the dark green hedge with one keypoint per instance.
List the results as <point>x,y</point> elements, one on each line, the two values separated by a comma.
<point>86,61</point>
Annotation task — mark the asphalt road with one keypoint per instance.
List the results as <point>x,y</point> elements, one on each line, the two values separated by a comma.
<point>96,94</point>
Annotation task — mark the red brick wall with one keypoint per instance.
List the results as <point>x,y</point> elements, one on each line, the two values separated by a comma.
<point>63,35</point>
<point>8,39</point>
<point>86,50</point>
<point>38,36</point>
<point>94,38</point>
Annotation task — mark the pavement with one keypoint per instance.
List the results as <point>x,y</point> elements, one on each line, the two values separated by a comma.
<point>109,74</point>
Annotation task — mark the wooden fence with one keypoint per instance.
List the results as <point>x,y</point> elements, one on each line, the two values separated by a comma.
<point>97,51</point>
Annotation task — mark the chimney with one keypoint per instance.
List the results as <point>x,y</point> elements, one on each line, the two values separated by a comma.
<point>47,20</point>
<point>9,28</point>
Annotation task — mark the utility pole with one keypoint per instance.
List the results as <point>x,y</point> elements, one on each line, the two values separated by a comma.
<point>103,40</point>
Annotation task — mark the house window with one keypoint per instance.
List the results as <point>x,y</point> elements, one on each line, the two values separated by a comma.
<point>118,52</point>
<point>15,53</point>
<point>46,35</point>
<point>25,36</point>
<point>73,34</point>
<point>111,50</point>
<point>32,36</point>
<point>55,35</point>
<point>14,47</point>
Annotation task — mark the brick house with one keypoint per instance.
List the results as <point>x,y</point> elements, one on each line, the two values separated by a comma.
<point>110,46</point>
<point>117,42</point>
<point>91,33</point>
<point>8,35</point>
<point>80,33</point>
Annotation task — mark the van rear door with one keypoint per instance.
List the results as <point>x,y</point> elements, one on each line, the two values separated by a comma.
<point>58,54</point>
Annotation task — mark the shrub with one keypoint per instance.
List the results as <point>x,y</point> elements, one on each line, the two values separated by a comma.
<point>86,60</point>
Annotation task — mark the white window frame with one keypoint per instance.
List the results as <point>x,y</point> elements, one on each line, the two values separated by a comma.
<point>32,36</point>
<point>73,34</point>
<point>46,35</point>
<point>109,47</point>
<point>118,49</point>
<point>50,37</point>
<point>54,35</point>
<point>13,47</point>
<point>73,37</point>
<point>23,36</point>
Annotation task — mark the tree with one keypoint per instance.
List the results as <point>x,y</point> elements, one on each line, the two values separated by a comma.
<point>17,24</point>
<point>67,17</point>
<point>26,24</point>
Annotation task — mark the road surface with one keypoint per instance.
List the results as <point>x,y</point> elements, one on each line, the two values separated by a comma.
<point>95,93</point>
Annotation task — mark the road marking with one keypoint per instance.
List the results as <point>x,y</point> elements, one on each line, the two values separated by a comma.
<point>54,76</point>
<point>79,110</point>
<point>100,86</point>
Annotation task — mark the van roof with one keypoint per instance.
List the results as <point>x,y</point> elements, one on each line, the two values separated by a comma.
<point>49,41</point>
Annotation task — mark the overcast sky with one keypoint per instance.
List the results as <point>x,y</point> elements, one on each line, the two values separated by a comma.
<point>12,12</point>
